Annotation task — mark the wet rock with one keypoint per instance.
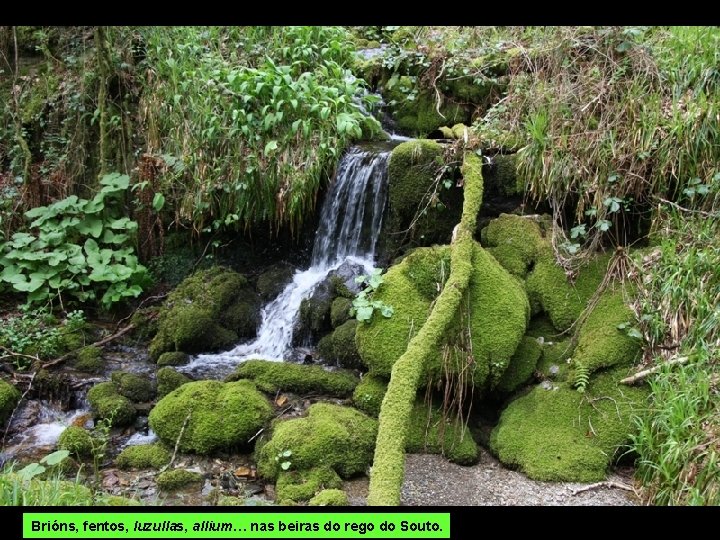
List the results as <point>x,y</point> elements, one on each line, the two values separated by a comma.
<point>272,282</point>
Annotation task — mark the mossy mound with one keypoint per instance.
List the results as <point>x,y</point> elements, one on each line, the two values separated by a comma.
<point>340,311</point>
<point>143,456</point>
<point>89,359</point>
<point>548,287</point>
<point>145,321</point>
<point>173,359</point>
<point>106,402</point>
<point>501,178</point>
<point>556,433</point>
<point>208,311</point>
<point>272,377</point>
<point>430,433</point>
<point>222,415</point>
<point>177,478</point>
<point>339,346</point>
<point>136,388</point>
<point>369,394</point>
<point>77,441</point>
<point>168,380</point>
<point>330,497</point>
<point>297,486</point>
<point>522,365</point>
<point>496,318</point>
<point>333,436</point>
<point>271,282</point>
<point>9,398</point>
<point>553,363</point>
<point>514,241</point>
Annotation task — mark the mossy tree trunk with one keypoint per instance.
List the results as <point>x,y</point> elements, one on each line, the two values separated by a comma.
<point>103,63</point>
<point>389,462</point>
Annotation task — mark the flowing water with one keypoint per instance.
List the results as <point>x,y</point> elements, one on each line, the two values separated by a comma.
<point>350,223</point>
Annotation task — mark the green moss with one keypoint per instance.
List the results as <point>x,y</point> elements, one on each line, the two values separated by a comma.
<point>339,346</point>
<point>271,282</point>
<point>143,456</point>
<point>107,403</point>
<point>542,327</point>
<point>71,341</point>
<point>272,377</point>
<point>459,131</point>
<point>553,362</point>
<point>222,415</point>
<point>514,241</point>
<point>369,394</point>
<point>600,343</point>
<point>548,285</point>
<point>501,176</point>
<point>116,500</point>
<point>430,433</point>
<point>314,314</point>
<point>177,478</point>
<point>9,398</point>
<point>89,359</point>
<point>329,436</point>
<point>522,365</point>
<point>300,486</point>
<point>77,441</point>
<point>145,321</point>
<point>340,311</point>
<point>428,270</point>
<point>330,497</point>
<point>208,311</point>
<point>168,380</point>
<point>173,359</point>
<point>560,434</point>
<point>136,388</point>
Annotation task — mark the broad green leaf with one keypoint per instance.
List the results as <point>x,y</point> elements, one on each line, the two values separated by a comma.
<point>55,458</point>
<point>91,225</point>
<point>158,202</point>
<point>364,313</point>
<point>31,471</point>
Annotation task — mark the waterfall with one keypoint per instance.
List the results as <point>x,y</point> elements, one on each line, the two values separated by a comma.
<point>349,227</point>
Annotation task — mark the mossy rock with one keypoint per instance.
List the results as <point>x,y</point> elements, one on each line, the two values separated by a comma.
<point>314,314</point>
<point>522,365</point>
<point>431,433</point>
<point>339,346</point>
<point>514,241</point>
<point>117,500</point>
<point>272,282</point>
<point>541,327</point>
<point>89,359</point>
<point>223,416</point>
<point>553,363</point>
<point>136,388</point>
<point>333,436</point>
<point>208,311</point>
<point>143,456</point>
<point>9,398</point>
<point>177,478</point>
<point>145,321</point>
<point>272,377</point>
<point>501,178</point>
<point>107,403</point>
<point>548,287</point>
<point>298,486</point>
<point>173,359</point>
<point>71,341</point>
<point>340,311</point>
<point>330,497</point>
<point>496,319</point>
<point>168,379</point>
<point>77,441</point>
<point>558,434</point>
<point>369,394</point>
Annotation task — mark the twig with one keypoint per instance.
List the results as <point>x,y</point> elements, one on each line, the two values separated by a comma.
<point>177,442</point>
<point>689,210</point>
<point>607,484</point>
<point>640,375</point>
<point>251,439</point>
<point>100,343</point>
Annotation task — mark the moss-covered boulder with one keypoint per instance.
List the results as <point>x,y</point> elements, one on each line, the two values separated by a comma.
<point>271,282</point>
<point>333,436</point>
<point>89,359</point>
<point>272,377</point>
<point>369,394</point>
<point>330,497</point>
<point>177,478</point>
<point>553,363</point>
<point>514,241</point>
<point>522,365</point>
<point>9,398</point>
<point>298,486</point>
<point>77,441</point>
<point>136,388</point>
<point>339,346</point>
<point>176,358</point>
<point>168,379</point>
<point>221,415</point>
<point>431,432</point>
<point>107,403</point>
<point>208,311</point>
<point>556,433</point>
<point>500,177</point>
<point>340,311</point>
<point>143,456</point>
<point>145,322</point>
<point>494,316</point>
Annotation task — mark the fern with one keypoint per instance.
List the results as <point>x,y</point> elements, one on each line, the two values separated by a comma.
<point>582,378</point>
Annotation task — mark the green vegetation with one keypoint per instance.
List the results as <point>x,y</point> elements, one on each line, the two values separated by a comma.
<point>522,365</point>
<point>89,359</point>
<point>9,398</point>
<point>143,456</point>
<point>432,432</point>
<point>514,241</point>
<point>369,394</point>
<point>136,388</point>
<point>107,403</point>
<point>339,346</point>
<point>77,441</point>
<point>173,359</point>
<point>168,380</point>
<point>330,497</point>
<point>175,479</point>
<point>298,486</point>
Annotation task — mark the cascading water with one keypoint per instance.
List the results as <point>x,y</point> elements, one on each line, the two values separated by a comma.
<point>350,223</point>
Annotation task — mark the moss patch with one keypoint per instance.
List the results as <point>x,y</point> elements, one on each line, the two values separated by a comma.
<point>177,478</point>
<point>560,434</point>
<point>173,359</point>
<point>330,497</point>
<point>106,402</point>
<point>89,360</point>
<point>143,456</point>
<point>77,441</point>
<point>297,486</point>
<point>330,435</point>
<point>553,362</point>
<point>9,398</point>
<point>430,433</point>
<point>339,346</point>
<point>222,415</point>
<point>299,378</point>
<point>340,311</point>
<point>168,380</point>
<point>135,387</point>
<point>522,365</point>
<point>271,282</point>
<point>514,241</point>
<point>501,176</point>
<point>369,394</point>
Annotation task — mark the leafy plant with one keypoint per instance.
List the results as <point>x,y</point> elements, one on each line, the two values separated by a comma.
<point>32,470</point>
<point>363,305</point>
<point>284,455</point>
